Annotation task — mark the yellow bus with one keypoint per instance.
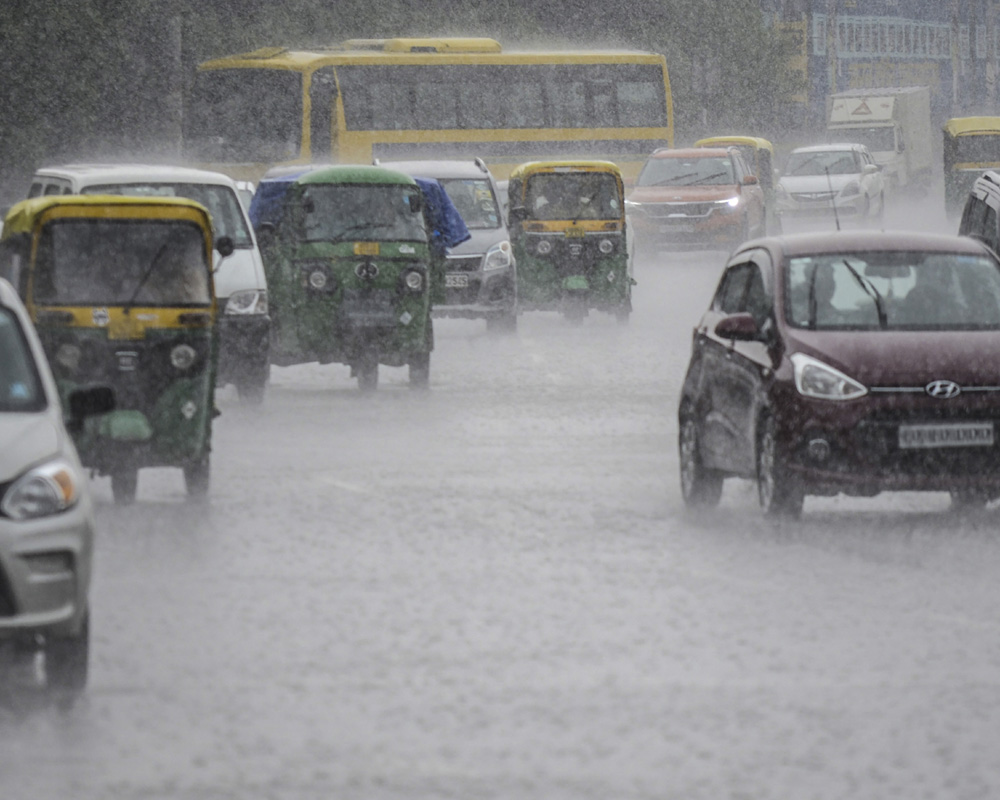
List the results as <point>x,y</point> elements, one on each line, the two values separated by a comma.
<point>403,99</point>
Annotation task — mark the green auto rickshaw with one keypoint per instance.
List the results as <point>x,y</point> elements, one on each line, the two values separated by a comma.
<point>120,290</point>
<point>569,236</point>
<point>353,256</point>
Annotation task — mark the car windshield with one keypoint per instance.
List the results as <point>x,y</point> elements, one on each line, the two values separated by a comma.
<point>893,290</point>
<point>20,388</point>
<point>375,212</point>
<point>677,171</point>
<point>822,162</point>
<point>222,203</point>
<point>475,202</point>
<point>573,196</point>
<point>92,262</point>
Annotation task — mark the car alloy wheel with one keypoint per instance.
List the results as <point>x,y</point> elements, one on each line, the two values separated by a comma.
<point>700,487</point>
<point>779,494</point>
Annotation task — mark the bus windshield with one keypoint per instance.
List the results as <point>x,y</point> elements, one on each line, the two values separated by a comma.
<point>248,115</point>
<point>345,212</point>
<point>222,203</point>
<point>96,262</point>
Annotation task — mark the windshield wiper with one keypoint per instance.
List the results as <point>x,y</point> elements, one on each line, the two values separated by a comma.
<point>872,292</point>
<point>584,202</point>
<point>708,178</point>
<point>145,275</point>
<point>675,178</point>
<point>361,226</point>
<point>805,163</point>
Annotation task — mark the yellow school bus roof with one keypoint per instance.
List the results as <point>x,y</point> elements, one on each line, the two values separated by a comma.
<point>736,141</point>
<point>26,215</point>
<point>971,126</point>
<point>533,167</point>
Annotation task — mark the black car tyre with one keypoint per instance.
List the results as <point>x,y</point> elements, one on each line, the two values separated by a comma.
<point>700,487</point>
<point>420,370</point>
<point>66,665</point>
<point>197,476</point>
<point>124,483</point>
<point>779,494</point>
<point>252,384</point>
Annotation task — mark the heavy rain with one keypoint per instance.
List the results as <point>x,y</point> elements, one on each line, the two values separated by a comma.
<point>460,560</point>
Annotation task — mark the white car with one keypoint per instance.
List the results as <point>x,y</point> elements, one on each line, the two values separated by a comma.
<point>46,522</point>
<point>240,284</point>
<point>831,181</point>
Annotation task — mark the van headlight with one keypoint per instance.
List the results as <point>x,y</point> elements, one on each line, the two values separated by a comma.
<point>497,257</point>
<point>49,489</point>
<point>815,379</point>
<point>247,301</point>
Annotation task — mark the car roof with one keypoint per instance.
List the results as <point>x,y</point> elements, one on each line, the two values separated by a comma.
<point>834,147</point>
<point>439,168</point>
<point>690,152</point>
<point>97,174</point>
<point>801,244</point>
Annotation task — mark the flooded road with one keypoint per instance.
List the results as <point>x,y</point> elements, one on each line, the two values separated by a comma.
<point>492,589</point>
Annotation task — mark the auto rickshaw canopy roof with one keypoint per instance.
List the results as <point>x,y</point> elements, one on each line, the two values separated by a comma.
<point>26,215</point>
<point>532,167</point>
<point>355,173</point>
<point>736,141</point>
<point>971,126</point>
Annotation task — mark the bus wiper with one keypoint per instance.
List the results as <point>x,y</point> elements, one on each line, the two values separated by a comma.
<point>872,292</point>
<point>145,276</point>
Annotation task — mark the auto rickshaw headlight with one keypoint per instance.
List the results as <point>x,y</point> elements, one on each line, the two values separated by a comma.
<point>183,356</point>
<point>606,246</point>
<point>497,257</point>
<point>413,280</point>
<point>45,490</point>
<point>544,247</point>
<point>318,280</point>
<point>68,356</point>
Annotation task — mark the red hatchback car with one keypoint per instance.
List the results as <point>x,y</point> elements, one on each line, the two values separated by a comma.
<point>847,362</point>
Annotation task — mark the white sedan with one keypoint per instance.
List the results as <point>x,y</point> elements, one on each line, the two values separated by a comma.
<point>831,181</point>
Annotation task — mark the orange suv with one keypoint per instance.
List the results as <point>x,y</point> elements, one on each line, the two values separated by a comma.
<point>700,197</point>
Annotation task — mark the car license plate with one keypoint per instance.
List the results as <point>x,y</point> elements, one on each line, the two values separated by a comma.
<point>456,280</point>
<point>959,434</point>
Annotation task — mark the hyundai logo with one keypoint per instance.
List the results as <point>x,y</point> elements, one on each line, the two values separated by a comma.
<point>366,271</point>
<point>943,390</point>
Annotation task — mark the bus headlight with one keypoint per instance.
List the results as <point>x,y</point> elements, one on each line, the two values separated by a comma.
<point>497,257</point>
<point>544,247</point>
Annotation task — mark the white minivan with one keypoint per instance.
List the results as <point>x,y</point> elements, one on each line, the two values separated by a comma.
<point>240,285</point>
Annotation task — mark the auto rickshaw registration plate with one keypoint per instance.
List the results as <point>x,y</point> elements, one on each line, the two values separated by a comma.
<point>575,233</point>
<point>456,280</point>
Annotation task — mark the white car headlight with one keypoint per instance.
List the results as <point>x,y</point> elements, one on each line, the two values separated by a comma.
<point>813,378</point>
<point>248,301</point>
<point>42,491</point>
<point>851,189</point>
<point>497,257</point>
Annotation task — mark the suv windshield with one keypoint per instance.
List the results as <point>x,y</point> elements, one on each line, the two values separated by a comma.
<point>474,200</point>
<point>677,171</point>
<point>94,262</point>
<point>222,203</point>
<point>893,291</point>
<point>20,389</point>
<point>374,212</point>
<point>573,196</point>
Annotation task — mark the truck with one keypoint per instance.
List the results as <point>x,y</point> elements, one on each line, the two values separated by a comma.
<point>894,124</point>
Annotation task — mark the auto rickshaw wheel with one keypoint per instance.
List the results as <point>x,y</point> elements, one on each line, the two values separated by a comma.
<point>367,371</point>
<point>66,664</point>
<point>196,477</point>
<point>124,482</point>
<point>575,308</point>
<point>420,370</point>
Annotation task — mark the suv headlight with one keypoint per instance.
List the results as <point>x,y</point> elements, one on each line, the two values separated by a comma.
<point>813,378</point>
<point>42,491</point>
<point>728,205</point>
<point>497,257</point>
<point>248,301</point>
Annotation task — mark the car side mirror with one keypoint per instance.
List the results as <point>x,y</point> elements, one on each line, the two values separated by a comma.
<point>519,214</point>
<point>225,246</point>
<point>751,180</point>
<point>740,327</point>
<point>870,169</point>
<point>89,402</point>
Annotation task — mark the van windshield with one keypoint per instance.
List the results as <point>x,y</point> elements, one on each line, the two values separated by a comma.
<point>365,212</point>
<point>221,201</point>
<point>119,262</point>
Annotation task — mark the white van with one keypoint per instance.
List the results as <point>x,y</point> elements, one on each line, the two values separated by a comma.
<point>244,325</point>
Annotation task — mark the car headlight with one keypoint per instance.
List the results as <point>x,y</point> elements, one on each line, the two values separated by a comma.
<point>183,356</point>
<point>413,280</point>
<point>851,189</point>
<point>497,257</point>
<point>42,491</point>
<point>813,378</point>
<point>544,247</point>
<point>247,301</point>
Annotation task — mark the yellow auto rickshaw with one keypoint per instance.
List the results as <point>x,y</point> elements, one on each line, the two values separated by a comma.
<point>568,234</point>
<point>759,155</point>
<point>120,290</point>
<point>971,147</point>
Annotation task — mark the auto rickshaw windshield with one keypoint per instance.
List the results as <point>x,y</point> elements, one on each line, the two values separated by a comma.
<point>562,196</point>
<point>335,212</point>
<point>120,262</point>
